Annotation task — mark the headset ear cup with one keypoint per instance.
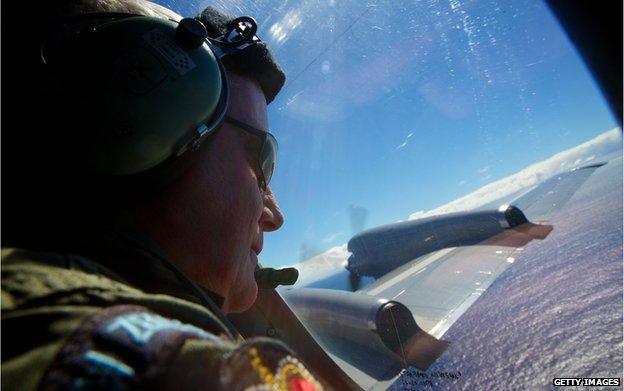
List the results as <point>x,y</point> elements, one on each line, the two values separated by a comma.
<point>119,130</point>
<point>131,94</point>
<point>136,187</point>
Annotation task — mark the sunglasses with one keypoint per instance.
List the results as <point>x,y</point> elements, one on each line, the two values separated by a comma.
<point>268,150</point>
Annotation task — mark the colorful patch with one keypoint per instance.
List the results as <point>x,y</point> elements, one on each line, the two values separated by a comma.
<point>264,364</point>
<point>121,347</point>
<point>128,347</point>
<point>141,327</point>
<point>102,361</point>
<point>289,374</point>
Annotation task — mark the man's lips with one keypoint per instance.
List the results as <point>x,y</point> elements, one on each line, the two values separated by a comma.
<point>256,247</point>
<point>254,259</point>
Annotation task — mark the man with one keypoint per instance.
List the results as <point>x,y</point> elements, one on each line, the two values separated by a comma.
<point>120,285</point>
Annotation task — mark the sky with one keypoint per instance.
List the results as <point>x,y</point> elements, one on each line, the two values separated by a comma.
<point>401,107</point>
<point>604,148</point>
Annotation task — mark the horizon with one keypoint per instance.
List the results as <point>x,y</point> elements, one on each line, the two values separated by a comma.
<point>605,145</point>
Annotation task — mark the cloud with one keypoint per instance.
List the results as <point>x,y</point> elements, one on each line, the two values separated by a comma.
<point>322,264</point>
<point>603,144</point>
<point>461,183</point>
<point>483,170</point>
<point>307,251</point>
<point>417,215</point>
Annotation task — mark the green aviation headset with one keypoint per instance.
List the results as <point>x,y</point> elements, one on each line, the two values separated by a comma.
<point>137,93</point>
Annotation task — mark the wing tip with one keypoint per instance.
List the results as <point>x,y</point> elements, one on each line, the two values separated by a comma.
<point>593,165</point>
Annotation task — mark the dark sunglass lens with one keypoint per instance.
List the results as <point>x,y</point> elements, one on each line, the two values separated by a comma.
<point>268,157</point>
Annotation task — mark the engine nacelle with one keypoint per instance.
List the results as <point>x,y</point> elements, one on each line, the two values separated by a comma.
<point>384,326</point>
<point>380,250</point>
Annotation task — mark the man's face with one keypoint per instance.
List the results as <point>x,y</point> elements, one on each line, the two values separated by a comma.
<point>217,213</point>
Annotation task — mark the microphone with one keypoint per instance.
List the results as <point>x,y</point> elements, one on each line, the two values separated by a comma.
<point>267,277</point>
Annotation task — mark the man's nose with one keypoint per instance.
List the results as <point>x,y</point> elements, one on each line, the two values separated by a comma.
<point>272,218</point>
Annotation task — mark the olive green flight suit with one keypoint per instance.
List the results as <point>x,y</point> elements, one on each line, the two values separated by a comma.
<point>119,316</point>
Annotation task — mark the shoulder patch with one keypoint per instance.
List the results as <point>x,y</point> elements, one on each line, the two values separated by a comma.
<point>264,364</point>
<point>121,347</point>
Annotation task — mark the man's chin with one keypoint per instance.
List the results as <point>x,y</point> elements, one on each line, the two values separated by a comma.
<point>241,301</point>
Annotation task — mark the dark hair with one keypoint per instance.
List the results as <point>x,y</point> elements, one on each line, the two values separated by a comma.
<point>256,61</point>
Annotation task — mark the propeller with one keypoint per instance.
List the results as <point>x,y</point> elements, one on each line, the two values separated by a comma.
<point>358,215</point>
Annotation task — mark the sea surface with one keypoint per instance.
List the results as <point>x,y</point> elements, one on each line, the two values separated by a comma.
<point>556,313</point>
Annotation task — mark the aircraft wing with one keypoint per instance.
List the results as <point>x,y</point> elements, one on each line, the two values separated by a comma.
<point>396,321</point>
<point>539,202</point>
<point>439,287</point>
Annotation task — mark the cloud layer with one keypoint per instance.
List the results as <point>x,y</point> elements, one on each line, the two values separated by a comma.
<point>585,153</point>
<point>591,151</point>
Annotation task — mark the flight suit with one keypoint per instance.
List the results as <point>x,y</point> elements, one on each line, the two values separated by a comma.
<point>113,313</point>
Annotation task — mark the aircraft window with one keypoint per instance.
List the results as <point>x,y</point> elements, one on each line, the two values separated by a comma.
<point>397,111</point>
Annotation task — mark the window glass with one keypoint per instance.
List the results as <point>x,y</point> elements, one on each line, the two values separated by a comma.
<point>399,110</point>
